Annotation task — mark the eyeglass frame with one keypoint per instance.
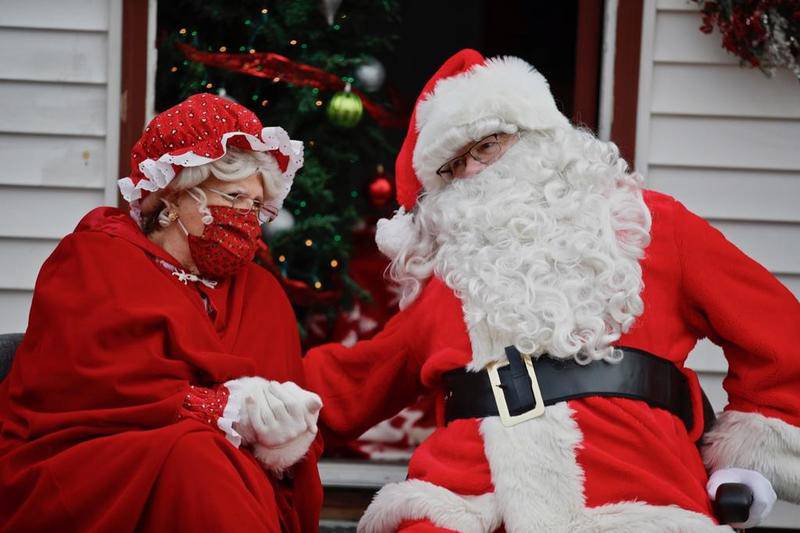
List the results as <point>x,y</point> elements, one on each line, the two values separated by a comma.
<point>440,171</point>
<point>265,213</point>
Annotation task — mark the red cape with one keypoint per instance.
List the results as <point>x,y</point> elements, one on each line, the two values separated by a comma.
<point>89,434</point>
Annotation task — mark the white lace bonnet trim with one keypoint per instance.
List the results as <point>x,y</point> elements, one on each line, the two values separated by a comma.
<point>159,172</point>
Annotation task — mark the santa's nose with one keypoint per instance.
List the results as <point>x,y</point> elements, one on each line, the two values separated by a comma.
<point>473,167</point>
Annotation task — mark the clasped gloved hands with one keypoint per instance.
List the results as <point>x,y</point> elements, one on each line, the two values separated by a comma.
<point>278,421</point>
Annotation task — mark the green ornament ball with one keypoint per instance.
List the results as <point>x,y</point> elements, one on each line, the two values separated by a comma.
<point>345,109</point>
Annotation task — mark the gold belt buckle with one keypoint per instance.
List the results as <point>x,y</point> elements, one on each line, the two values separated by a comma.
<point>506,417</point>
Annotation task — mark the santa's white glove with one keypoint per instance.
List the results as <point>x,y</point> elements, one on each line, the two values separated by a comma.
<point>278,420</point>
<point>764,496</point>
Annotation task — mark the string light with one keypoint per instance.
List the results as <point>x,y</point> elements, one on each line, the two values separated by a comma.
<point>276,79</point>
<point>174,69</point>
<point>317,285</point>
<point>334,263</point>
<point>182,31</point>
<point>209,85</point>
<point>264,103</point>
<point>252,50</point>
<point>293,42</point>
<point>303,203</point>
<point>318,103</point>
<point>223,48</point>
<point>264,11</point>
<point>282,258</point>
<point>309,242</point>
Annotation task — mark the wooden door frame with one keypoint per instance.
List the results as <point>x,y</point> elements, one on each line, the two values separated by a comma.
<point>627,58</point>
<point>134,79</point>
<point>588,53</point>
<point>624,52</point>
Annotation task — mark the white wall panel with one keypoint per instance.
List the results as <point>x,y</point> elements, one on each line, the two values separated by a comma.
<point>731,193</point>
<point>53,55</point>
<point>724,142</point>
<point>59,124</point>
<point>44,213</point>
<point>22,259</point>
<point>64,14</point>
<point>14,309</point>
<point>55,160</point>
<point>31,107</point>
<point>723,90</point>
<point>678,39</point>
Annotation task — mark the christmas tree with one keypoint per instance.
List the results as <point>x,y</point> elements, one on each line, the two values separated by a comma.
<point>294,64</point>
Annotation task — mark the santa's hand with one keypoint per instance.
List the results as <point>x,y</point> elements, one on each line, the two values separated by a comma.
<point>764,496</point>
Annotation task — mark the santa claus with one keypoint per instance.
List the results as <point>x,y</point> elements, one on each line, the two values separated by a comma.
<point>551,302</point>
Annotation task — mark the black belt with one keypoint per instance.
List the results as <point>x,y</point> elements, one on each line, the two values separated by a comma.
<point>638,376</point>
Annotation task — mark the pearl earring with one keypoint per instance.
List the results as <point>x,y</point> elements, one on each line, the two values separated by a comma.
<point>167,217</point>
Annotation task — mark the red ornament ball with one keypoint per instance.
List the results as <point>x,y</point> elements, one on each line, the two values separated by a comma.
<point>380,191</point>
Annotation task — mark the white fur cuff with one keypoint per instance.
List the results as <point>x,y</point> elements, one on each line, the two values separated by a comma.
<point>278,459</point>
<point>415,499</point>
<point>757,442</point>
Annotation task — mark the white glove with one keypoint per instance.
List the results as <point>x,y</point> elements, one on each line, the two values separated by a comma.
<point>279,420</point>
<point>763,495</point>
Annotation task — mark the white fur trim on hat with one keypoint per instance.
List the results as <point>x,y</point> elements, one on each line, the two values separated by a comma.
<point>765,444</point>
<point>504,94</point>
<point>394,234</point>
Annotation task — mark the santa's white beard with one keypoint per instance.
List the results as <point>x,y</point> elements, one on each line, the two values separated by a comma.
<point>542,247</point>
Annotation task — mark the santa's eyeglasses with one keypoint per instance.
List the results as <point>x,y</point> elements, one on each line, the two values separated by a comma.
<point>485,151</point>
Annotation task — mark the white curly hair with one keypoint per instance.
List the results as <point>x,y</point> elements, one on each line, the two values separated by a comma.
<point>542,247</point>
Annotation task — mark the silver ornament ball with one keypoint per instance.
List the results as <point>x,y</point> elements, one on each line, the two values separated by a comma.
<point>370,75</point>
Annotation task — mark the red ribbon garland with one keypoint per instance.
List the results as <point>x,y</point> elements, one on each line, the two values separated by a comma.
<point>281,68</point>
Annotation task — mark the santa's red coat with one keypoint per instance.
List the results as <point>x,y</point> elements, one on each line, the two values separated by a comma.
<point>90,438</point>
<point>589,460</point>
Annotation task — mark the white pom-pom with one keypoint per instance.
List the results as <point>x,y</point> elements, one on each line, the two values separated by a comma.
<point>394,234</point>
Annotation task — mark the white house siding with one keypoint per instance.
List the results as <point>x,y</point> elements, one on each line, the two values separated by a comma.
<point>725,141</point>
<point>59,131</point>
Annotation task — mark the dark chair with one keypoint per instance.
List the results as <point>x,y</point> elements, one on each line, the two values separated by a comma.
<point>9,342</point>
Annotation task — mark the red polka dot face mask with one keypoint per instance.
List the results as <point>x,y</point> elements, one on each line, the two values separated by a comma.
<point>227,244</point>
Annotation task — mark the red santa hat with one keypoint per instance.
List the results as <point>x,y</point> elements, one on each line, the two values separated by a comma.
<point>467,99</point>
<point>197,131</point>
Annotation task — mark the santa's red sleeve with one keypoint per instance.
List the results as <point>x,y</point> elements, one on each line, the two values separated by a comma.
<point>366,383</point>
<point>740,306</point>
